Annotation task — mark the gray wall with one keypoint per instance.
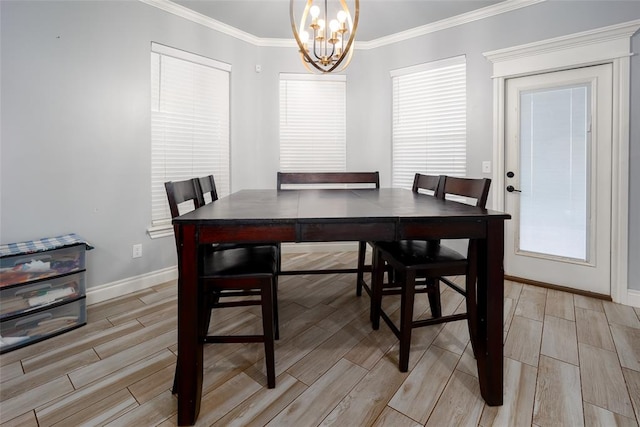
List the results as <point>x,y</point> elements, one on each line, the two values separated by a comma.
<point>75,154</point>
<point>75,151</point>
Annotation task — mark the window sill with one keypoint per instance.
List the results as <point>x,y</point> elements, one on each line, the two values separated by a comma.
<point>158,231</point>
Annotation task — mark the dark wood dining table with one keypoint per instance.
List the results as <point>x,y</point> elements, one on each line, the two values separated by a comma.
<point>384,214</point>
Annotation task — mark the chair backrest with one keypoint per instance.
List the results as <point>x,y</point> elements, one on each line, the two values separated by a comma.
<point>475,188</point>
<point>426,182</point>
<point>208,187</point>
<point>366,179</point>
<point>179,192</point>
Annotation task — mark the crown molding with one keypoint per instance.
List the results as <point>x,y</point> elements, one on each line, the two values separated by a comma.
<point>198,18</point>
<point>485,12</point>
<point>278,43</point>
<point>454,21</point>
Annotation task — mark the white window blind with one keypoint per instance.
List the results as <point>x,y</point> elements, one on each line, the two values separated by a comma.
<point>429,120</point>
<point>313,123</point>
<point>189,125</point>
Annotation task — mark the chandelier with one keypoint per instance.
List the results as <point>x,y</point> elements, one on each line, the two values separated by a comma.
<point>325,47</point>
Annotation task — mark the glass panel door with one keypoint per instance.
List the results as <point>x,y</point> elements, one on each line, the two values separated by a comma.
<point>558,151</point>
<point>554,171</point>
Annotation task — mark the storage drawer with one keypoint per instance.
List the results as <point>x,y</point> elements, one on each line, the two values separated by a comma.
<point>38,265</point>
<point>31,296</point>
<point>20,331</point>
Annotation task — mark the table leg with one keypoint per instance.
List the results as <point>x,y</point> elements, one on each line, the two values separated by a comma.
<point>490,313</point>
<point>190,347</point>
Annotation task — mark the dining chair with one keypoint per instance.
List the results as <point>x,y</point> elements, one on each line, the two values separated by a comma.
<point>426,263</point>
<point>424,184</point>
<point>208,188</point>
<point>429,183</point>
<point>208,193</point>
<point>241,276</point>
<point>358,180</point>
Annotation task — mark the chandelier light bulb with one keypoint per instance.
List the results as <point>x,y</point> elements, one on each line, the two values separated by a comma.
<point>334,25</point>
<point>342,16</point>
<point>304,36</point>
<point>314,11</point>
<point>321,24</point>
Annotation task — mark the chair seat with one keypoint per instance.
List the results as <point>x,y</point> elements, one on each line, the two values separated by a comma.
<point>423,255</point>
<point>240,261</point>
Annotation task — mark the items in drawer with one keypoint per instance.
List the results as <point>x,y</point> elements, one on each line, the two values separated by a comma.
<point>39,325</point>
<point>27,297</point>
<point>35,266</point>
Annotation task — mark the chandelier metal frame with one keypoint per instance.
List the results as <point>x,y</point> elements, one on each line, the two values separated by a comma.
<point>324,56</point>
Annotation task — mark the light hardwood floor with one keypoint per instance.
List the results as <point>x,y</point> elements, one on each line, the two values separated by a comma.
<point>569,360</point>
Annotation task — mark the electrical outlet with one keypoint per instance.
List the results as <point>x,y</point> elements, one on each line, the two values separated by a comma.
<point>137,251</point>
<point>486,167</point>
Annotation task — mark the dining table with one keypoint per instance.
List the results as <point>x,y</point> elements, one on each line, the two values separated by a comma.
<point>338,215</point>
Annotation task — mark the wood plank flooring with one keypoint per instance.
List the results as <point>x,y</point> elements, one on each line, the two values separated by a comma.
<point>569,360</point>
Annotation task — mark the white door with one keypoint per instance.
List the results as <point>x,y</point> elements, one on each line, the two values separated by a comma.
<point>558,178</point>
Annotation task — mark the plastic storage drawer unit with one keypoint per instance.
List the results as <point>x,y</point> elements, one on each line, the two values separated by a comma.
<point>42,289</point>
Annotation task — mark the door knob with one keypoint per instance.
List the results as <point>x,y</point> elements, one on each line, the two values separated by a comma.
<point>510,174</point>
<point>511,189</point>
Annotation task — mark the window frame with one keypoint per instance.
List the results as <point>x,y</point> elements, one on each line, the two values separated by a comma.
<point>332,159</point>
<point>161,225</point>
<point>414,142</point>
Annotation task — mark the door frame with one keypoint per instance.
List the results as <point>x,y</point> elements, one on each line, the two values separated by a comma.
<point>590,272</point>
<point>610,44</point>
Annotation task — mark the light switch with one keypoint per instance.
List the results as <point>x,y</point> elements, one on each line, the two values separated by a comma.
<point>486,167</point>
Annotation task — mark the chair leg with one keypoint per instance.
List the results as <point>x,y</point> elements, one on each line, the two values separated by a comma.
<point>433,293</point>
<point>276,321</point>
<point>406,317</point>
<point>377,281</point>
<point>268,326</point>
<point>279,258</point>
<point>391,275</point>
<point>206,302</point>
<point>362,252</point>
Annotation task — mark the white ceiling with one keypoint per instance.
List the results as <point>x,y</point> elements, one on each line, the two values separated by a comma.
<point>378,18</point>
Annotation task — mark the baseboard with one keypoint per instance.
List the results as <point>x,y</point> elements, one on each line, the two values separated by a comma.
<point>131,284</point>
<point>557,287</point>
<point>126,286</point>
<point>633,298</point>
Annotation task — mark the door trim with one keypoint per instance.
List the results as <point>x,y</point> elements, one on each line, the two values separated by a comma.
<point>591,269</point>
<point>610,44</point>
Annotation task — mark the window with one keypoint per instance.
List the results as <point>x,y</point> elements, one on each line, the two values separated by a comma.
<point>313,123</point>
<point>189,125</point>
<point>429,120</point>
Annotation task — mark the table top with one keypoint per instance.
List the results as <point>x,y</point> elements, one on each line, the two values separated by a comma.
<point>335,205</point>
